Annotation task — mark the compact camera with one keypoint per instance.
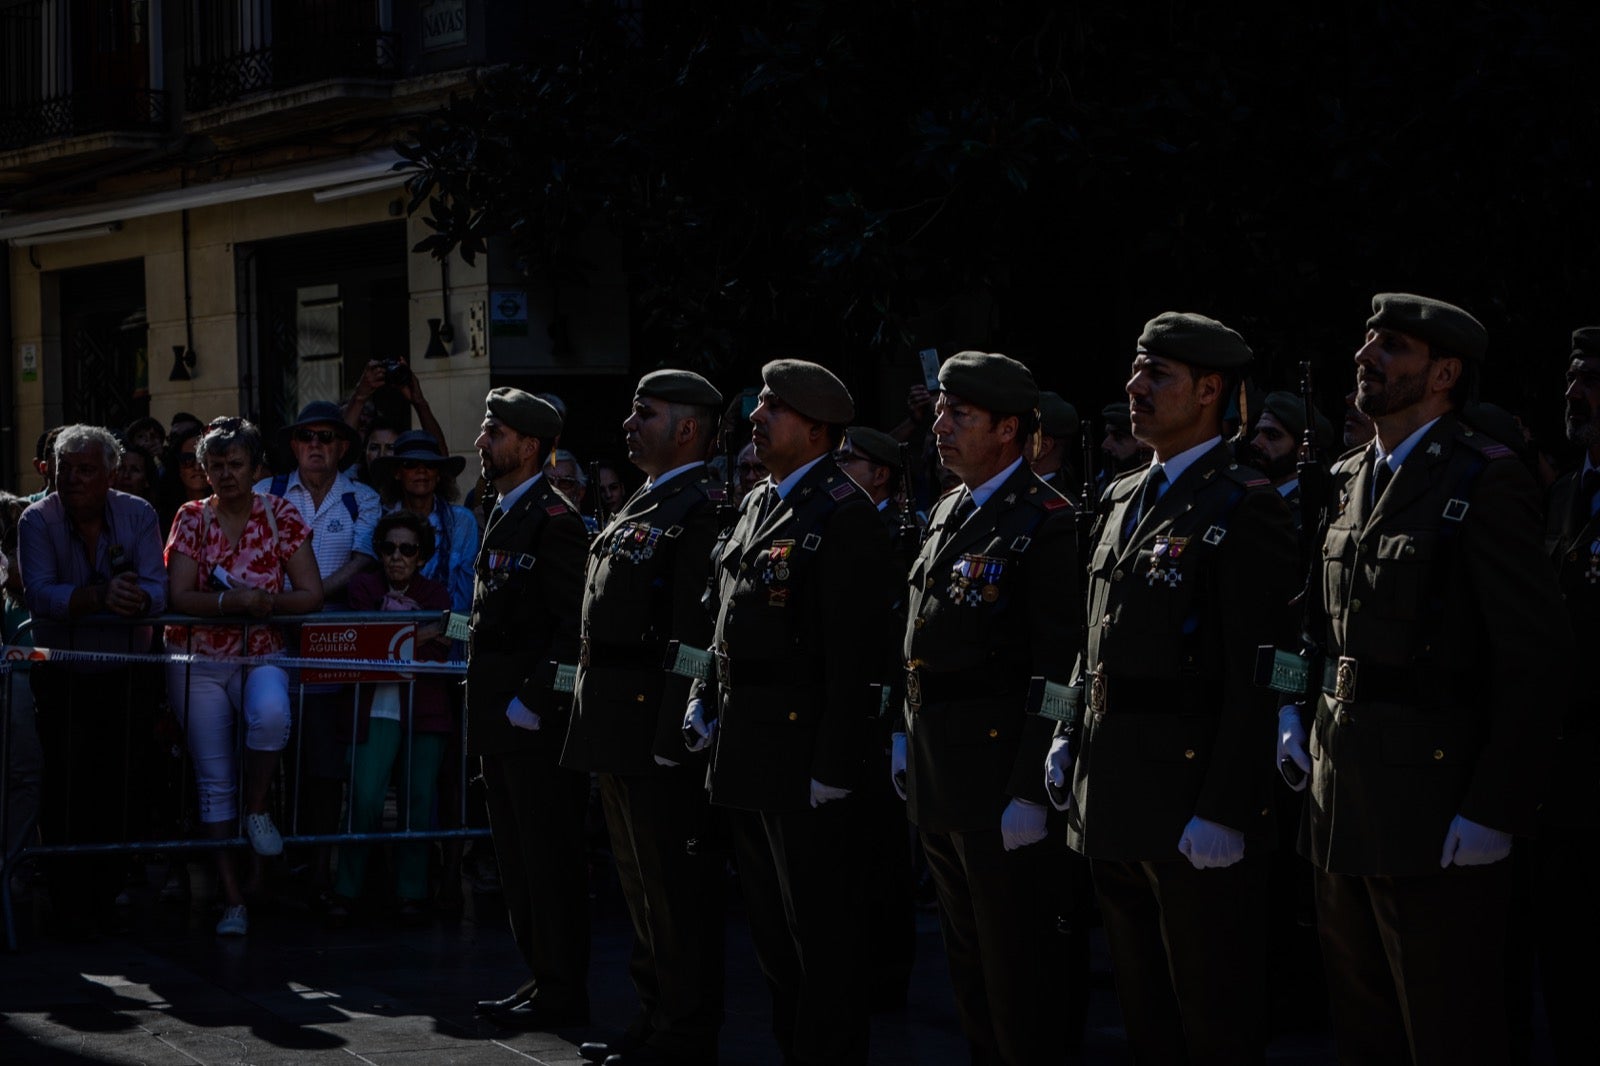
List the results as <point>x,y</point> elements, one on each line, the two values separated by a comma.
<point>396,372</point>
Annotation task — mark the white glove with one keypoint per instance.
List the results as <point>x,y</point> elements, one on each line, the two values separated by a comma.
<point>897,763</point>
<point>694,722</point>
<point>518,715</point>
<point>1292,746</point>
<point>821,793</point>
<point>1210,845</point>
<point>662,760</point>
<point>1058,772</point>
<point>1021,824</point>
<point>1466,843</point>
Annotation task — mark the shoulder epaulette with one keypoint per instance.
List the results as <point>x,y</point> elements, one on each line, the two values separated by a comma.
<point>556,508</point>
<point>842,491</point>
<point>1247,476</point>
<point>1056,503</point>
<point>1484,445</point>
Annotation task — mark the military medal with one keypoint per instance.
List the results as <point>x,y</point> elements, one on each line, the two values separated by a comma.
<point>1163,561</point>
<point>990,593</point>
<point>778,556</point>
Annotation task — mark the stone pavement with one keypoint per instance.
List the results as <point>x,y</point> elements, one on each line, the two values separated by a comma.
<point>169,991</point>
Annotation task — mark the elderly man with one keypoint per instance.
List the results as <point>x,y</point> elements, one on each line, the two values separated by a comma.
<point>803,604</point>
<point>88,552</point>
<point>1171,790</point>
<point>645,578</point>
<point>1445,640</point>
<point>526,606</point>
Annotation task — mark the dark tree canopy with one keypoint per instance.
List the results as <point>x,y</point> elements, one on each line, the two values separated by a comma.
<point>855,181</point>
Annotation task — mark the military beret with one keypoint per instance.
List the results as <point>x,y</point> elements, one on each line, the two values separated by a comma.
<point>1289,411</point>
<point>679,386</point>
<point>1195,340</point>
<point>875,444</point>
<point>524,412</point>
<point>1442,325</point>
<point>994,382</point>
<point>810,389</point>
<point>1117,414</point>
<point>1586,343</point>
<point>1057,417</point>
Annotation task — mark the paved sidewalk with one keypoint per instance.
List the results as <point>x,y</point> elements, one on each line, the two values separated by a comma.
<point>170,991</point>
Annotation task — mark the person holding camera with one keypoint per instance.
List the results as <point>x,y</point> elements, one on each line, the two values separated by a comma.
<point>393,375</point>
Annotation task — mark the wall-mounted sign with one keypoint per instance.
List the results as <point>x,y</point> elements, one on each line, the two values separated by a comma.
<point>28,361</point>
<point>508,313</point>
<point>444,24</point>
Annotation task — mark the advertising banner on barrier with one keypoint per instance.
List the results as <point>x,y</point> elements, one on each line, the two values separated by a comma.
<point>356,640</point>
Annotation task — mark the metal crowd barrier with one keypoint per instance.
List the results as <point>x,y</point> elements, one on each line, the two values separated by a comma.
<point>17,659</point>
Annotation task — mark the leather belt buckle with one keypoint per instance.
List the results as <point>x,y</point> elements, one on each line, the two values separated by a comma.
<point>1097,692</point>
<point>913,684</point>
<point>1344,679</point>
<point>583,653</point>
<point>724,669</point>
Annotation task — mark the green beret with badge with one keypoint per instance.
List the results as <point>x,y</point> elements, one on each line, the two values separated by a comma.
<point>679,386</point>
<point>1117,414</point>
<point>1442,325</point>
<point>875,444</point>
<point>1586,343</point>
<point>997,383</point>
<point>1194,339</point>
<point>811,390</point>
<point>524,412</point>
<point>1057,417</point>
<point>1289,411</point>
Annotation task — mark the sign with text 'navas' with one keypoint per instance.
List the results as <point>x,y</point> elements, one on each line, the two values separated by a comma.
<point>444,24</point>
<point>356,640</point>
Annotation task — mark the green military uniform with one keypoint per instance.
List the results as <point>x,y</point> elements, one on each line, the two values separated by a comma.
<point>1183,587</point>
<point>993,603</point>
<point>645,577</point>
<point>803,595</point>
<point>525,609</point>
<point>1444,638</point>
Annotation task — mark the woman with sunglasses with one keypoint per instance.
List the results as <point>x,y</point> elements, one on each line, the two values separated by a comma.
<point>182,479</point>
<point>387,711</point>
<point>417,477</point>
<point>228,556</point>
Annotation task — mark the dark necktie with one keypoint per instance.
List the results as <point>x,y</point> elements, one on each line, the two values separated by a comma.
<point>769,502</point>
<point>1382,474</point>
<point>1149,493</point>
<point>1588,485</point>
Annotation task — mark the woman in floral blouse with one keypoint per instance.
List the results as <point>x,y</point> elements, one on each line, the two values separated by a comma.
<point>228,555</point>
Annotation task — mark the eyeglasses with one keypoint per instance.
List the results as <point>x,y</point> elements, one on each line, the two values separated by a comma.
<point>390,547</point>
<point>321,436</point>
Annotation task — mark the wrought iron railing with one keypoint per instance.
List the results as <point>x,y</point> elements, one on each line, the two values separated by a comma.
<point>240,47</point>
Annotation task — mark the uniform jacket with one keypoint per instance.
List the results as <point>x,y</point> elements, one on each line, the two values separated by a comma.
<point>646,576</point>
<point>525,608</point>
<point>803,610</point>
<point>1173,725</point>
<point>992,604</point>
<point>1440,600</point>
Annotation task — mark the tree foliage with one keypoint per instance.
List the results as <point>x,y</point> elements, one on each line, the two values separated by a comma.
<point>856,180</point>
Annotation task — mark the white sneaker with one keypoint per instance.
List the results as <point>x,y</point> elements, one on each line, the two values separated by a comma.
<point>234,922</point>
<point>263,834</point>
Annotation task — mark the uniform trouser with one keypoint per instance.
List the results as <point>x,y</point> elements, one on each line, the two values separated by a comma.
<point>1416,965</point>
<point>671,871</point>
<point>1188,957</point>
<point>801,876</point>
<point>536,812</point>
<point>999,913</point>
<point>890,890</point>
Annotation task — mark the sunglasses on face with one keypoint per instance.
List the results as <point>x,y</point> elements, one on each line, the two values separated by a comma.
<point>321,436</point>
<point>390,547</point>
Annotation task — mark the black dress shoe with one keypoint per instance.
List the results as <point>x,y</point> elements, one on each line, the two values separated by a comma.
<point>529,1016</point>
<point>597,1051</point>
<point>484,1006</point>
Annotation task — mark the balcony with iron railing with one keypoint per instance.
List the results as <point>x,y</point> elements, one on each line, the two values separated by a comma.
<point>241,48</point>
<point>70,68</point>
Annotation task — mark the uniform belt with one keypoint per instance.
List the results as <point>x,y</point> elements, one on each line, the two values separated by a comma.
<point>768,672</point>
<point>925,687</point>
<point>597,656</point>
<point>1347,679</point>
